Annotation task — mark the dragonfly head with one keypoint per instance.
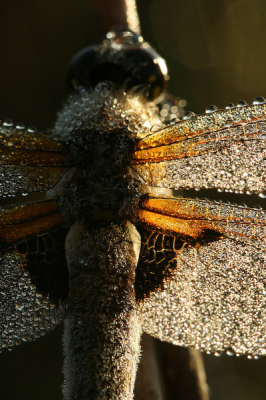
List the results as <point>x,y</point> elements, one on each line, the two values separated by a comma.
<point>124,60</point>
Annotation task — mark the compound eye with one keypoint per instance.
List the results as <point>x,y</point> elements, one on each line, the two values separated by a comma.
<point>85,68</point>
<point>124,60</point>
<point>150,69</point>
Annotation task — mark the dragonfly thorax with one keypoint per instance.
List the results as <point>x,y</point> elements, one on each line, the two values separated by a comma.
<point>101,127</point>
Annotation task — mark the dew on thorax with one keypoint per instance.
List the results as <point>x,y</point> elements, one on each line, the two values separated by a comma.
<point>95,110</point>
<point>100,127</point>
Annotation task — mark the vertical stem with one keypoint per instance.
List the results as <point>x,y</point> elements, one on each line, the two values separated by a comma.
<point>116,13</point>
<point>197,367</point>
<point>183,372</point>
<point>149,384</point>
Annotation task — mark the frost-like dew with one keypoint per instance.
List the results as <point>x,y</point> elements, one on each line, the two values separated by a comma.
<point>225,155</point>
<point>25,313</point>
<point>215,299</point>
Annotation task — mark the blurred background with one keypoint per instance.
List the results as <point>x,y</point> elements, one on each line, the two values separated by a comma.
<point>215,53</point>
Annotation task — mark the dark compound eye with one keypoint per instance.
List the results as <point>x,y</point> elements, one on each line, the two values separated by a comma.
<point>123,59</point>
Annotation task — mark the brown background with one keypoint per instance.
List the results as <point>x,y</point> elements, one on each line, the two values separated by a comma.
<point>215,53</point>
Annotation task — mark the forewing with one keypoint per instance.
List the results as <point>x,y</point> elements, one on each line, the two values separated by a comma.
<point>225,150</point>
<point>29,161</point>
<point>33,272</point>
<point>201,278</point>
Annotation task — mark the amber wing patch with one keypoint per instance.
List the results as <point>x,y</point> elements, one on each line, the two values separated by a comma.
<point>225,150</point>
<point>29,161</point>
<point>170,225</point>
<point>33,272</point>
<point>23,221</point>
<point>212,281</point>
<point>199,128</point>
<point>36,233</point>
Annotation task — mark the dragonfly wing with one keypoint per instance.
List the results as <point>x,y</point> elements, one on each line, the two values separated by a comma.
<point>201,278</point>
<point>33,272</point>
<point>29,161</point>
<point>225,150</point>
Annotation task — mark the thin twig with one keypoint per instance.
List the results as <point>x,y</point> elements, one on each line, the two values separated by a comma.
<point>197,366</point>
<point>183,372</point>
<point>149,384</point>
<point>116,13</point>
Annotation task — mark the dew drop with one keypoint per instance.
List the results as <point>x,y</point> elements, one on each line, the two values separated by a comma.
<point>211,109</point>
<point>230,352</point>
<point>229,106</point>
<point>174,120</point>
<point>242,103</point>
<point>19,307</point>
<point>101,86</point>
<point>166,107</point>
<point>259,100</point>
<point>188,115</point>
<point>182,103</point>
<point>228,123</point>
<point>110,35</point>
<point>174,109</point>
<point>32,129</point>
<point>20,126</point>
<point>8,122</point>
<point>104,93</point>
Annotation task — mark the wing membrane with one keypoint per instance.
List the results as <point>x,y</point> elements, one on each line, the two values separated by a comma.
<point>26,220</point>
<point>194,218</point>
<point>224,150</point>
<point>33,272</point>
<point>211,289</point>
<point>29,161</point>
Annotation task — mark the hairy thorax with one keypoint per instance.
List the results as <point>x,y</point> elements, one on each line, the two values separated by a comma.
<point>101,127</point>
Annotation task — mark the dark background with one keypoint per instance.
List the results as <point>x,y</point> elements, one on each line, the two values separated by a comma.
<point>215,53</point>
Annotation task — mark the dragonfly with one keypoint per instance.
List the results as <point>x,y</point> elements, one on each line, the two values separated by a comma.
<point>209,116</point>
